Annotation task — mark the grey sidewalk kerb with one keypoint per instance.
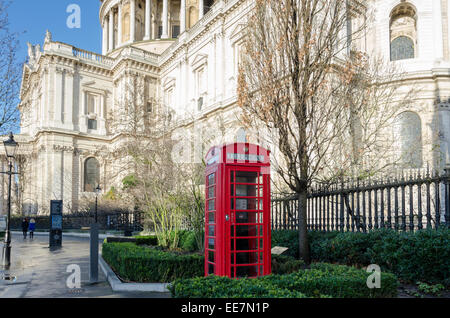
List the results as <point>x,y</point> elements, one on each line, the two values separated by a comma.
<point>118,286</point>
<point>71,234</point>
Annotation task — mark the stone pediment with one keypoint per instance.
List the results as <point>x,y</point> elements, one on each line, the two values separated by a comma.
<point>237,33</point>
<point>199,60</point>
<point>169,81</point>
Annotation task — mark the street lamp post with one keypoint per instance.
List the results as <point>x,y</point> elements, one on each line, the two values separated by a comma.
<point>93,267</point>
<point>10,148</point>
<point>97,192</point>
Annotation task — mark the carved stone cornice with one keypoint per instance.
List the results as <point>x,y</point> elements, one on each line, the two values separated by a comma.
<point>63,148</point>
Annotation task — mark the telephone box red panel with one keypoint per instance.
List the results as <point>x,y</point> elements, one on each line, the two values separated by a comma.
<point>237,227</point>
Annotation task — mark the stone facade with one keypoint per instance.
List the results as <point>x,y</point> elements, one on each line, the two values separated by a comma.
<point>72,100</point>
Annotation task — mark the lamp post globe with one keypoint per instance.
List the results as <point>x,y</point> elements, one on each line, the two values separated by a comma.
<point>10,146</point>
<point>10,149</point>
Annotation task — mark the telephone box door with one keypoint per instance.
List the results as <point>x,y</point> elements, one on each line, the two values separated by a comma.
<point>247,230</point>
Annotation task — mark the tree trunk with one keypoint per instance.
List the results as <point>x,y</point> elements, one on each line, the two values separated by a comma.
<point>303,227</point>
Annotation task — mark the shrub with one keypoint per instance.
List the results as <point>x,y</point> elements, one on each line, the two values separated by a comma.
<point>322,280</point>
<point>223,287</point>
<point>188,241</point>
<point>143,264</point>
<point>422,255</point>
<point>282,264</point>
<point>287,239</point>
<point>150,240</point>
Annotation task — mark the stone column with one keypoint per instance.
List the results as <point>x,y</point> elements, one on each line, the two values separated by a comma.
<point>57,159</point>
<point>119,27</point>
<point>132,20</point>
<point>68,96</point>
<point>148,19</point>
<point>101,115</point>
<point>201,9</point>
<point>67,174</point>
<point>45,98</point>
<point>105,38</point>
<point>111,31</point>
<point>183,16</point>
<point>58,98</point>
<point>165,19</point>
<point>83,112</point>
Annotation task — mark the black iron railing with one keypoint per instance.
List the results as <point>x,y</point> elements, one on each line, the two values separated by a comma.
<point>113,221</point>
<point>404,203</point>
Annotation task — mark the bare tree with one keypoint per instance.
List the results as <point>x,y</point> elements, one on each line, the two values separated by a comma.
<point>331,105</point>
<point>10,73</point>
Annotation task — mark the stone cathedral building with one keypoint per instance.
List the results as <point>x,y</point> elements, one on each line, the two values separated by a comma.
<point>186,53</point>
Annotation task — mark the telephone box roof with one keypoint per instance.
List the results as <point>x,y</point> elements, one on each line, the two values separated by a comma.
<point>238,153</point>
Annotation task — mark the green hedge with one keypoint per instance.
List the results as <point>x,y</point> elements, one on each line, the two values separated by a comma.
<point>423,255</point>
<point>151,240</point>
<point>143,264</point>
<point>322,280</point>
<point>223,287</point>
<point>186,240</point>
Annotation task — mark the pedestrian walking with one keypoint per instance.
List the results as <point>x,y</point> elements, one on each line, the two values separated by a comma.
<point>25,228</point>
<point>32,227</point>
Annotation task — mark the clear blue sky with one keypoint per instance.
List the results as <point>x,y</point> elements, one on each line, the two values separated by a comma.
<point>34,17</point>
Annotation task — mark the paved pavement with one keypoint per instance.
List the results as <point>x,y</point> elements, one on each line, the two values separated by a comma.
<point>42,273</point>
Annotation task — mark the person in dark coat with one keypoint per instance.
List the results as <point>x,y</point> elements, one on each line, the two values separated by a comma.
<point>25,228</point>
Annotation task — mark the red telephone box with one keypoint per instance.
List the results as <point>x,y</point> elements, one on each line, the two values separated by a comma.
<point>237,226</point>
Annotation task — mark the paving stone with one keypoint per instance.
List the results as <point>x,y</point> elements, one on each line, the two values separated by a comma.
<point>42,273</point>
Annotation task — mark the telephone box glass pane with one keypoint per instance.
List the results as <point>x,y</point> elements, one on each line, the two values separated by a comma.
<point>246,217</point>
<point>211,257</point>
<point>211,179</point>
<point>247,271</point>
<point>246,204</point>
<point>210,269</point>
<point>212,205</point>
<point>246,177</point>
<point>261,217</point>
<point>211,192</point>
<point>212,218</point>
<point>246,230</point>
<point>246,244</point>
<point>211,244</point>
<point>246,258</point>
<point>245,190</point>
<point>212,230</point>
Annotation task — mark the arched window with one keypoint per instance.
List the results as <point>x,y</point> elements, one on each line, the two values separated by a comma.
<point>91,174</point>
<point>402,48</point>
<point>403,32</point>
<point>408,140</point>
